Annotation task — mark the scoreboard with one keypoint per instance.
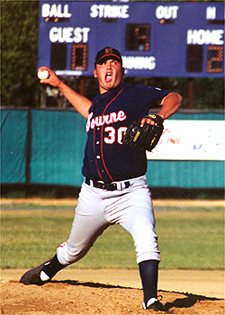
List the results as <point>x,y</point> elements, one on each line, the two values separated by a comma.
<point>155,39</point>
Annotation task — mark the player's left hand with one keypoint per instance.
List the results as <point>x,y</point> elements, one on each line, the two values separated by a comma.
<point>151,119</point>
<point>144,133</point>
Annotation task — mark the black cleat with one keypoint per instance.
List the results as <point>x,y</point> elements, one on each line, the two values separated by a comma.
<point>157,306</point>
<point>32,276</point>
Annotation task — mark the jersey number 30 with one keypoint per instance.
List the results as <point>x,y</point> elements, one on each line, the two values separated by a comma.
<point>114,135</point>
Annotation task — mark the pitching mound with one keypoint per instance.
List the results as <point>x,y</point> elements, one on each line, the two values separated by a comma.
<point>73,297</point>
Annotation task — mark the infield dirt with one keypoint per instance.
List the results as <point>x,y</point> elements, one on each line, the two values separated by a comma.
<point>112,292</point>
<point>73,202</point>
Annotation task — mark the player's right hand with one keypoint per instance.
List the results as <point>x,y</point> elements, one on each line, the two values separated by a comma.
<point>52,79</point>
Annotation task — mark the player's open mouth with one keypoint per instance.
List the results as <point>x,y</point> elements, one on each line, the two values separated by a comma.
<point>108,77</point>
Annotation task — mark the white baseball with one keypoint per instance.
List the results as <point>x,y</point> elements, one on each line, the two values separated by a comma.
<point>43,75</point>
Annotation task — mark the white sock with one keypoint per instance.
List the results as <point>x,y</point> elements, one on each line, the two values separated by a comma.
<point>150,302</point>
<point>44,276</point>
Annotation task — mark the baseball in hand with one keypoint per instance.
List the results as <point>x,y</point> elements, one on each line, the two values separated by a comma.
<point>43,75</point>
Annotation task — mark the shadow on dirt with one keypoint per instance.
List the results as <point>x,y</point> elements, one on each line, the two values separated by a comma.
<point>89,284</point>
<point>186,301</point>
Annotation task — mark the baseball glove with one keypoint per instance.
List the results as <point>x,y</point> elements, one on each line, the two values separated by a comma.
<point>146,137</point>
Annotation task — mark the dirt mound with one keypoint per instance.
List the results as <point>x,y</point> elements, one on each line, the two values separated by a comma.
<point>73,202</point>
<point>73,297</point>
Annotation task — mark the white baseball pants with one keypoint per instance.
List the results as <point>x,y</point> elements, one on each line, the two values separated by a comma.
<point>97,209</point>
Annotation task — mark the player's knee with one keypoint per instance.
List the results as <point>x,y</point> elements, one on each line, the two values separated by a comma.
<point>70,255</point>
<point>148,250</point>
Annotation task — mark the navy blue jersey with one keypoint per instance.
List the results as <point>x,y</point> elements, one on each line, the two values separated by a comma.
<point>106,159</point>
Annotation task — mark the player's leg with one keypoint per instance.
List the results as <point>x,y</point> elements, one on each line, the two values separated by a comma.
<point>87,226</point>
<point>89,222</point>
<point>149,276</point>
<point>138,219</point>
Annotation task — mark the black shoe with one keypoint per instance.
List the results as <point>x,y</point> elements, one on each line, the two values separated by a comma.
<point>32,276</point>
<point>156,306</point>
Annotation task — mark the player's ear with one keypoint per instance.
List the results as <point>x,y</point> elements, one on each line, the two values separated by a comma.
<point>123,71</point>
<point>95,74</point>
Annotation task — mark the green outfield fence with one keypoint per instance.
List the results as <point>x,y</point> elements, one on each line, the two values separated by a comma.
<point>47,147</point>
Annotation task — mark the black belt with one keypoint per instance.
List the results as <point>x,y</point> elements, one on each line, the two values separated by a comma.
<point>108,186</point>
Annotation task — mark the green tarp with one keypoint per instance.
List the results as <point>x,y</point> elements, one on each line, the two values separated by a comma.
<point>58,141</point>
<point>13,146</point>
<point>47,147</point>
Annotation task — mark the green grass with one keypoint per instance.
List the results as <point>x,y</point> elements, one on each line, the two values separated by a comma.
<point>188,238</point>
<point>191,239</point>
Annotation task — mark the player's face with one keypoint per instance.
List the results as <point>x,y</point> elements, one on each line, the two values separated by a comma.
<point>109,74</point>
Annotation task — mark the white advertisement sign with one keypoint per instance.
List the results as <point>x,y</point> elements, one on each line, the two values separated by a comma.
<point>190,140</point>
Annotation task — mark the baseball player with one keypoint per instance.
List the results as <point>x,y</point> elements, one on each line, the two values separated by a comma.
<point>114,190</point>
